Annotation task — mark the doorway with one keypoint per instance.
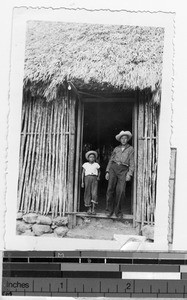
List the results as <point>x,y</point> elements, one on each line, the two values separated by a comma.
<point>102,121</point>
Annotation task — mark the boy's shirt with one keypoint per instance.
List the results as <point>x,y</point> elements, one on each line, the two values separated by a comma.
<point>91,169</point>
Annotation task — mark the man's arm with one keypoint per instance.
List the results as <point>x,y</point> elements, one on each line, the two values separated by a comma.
<point>131,164</point>
<point>99,174</point>
<point>110,161</point>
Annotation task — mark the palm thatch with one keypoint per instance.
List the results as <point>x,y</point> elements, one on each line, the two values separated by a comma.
<point>95,58</point>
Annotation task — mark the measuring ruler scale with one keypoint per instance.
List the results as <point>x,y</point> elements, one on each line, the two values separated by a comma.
<point>94,274</point>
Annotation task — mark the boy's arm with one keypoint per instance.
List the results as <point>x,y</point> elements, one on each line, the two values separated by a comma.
<point>83,175</point>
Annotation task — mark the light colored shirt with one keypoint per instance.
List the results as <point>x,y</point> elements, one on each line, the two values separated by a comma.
<point>123,155</point>
<point>91,169</point>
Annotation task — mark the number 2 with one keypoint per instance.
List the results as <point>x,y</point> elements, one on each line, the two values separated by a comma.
<point>128,286</point>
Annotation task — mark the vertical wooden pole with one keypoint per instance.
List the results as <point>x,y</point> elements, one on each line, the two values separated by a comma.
<point>37,160</point>
<point>61,159</point>
<point>33,151</point>
<point>135,134</point>
<point>71,158</point>
<point>145,162</point>
<point>78,139</point>
<point>140,161</point>
<point>28,162</point>
<point>80,151</point>
<point>22,187</point>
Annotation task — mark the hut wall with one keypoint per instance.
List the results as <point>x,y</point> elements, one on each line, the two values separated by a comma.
<point>148,129</point>
<point>47,156</point>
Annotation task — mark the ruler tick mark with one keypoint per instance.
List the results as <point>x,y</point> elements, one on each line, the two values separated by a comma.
<point>66,285</point>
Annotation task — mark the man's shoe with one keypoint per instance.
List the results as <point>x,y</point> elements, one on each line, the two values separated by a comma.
<point>109,215</point>
<point>119,215</point>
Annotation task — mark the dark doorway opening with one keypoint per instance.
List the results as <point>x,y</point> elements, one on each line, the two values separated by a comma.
<point>102,121</point>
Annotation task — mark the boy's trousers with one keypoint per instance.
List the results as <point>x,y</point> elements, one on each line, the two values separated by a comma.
<point>116,187</point>
<point>90,192</point>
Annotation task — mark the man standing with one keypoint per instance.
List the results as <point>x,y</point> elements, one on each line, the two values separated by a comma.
<point>120,168</point>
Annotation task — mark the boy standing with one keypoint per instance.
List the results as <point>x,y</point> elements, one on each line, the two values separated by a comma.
<point>90,177</point>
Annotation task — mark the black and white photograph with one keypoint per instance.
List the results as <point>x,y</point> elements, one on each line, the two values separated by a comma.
<point>90,131</point>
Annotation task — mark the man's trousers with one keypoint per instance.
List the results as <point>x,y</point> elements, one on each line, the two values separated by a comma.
<point>116,187</point>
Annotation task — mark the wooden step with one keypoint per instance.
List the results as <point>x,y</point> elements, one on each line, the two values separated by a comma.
<point>102,216</point>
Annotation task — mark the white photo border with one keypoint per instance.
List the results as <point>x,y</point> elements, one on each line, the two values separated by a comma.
<point>20,17</point>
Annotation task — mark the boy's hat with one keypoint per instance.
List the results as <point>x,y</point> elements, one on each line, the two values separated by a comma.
<point>89,153</point>
<point>127,133</point>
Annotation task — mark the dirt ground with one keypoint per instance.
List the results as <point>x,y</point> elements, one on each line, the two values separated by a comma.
<point>104,229</point>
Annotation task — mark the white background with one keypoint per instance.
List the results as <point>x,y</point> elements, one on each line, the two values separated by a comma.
<point>179,104</point>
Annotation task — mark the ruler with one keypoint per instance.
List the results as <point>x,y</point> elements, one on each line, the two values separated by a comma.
<point>94,274</point>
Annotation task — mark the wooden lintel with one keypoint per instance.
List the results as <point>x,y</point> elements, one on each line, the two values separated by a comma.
<point>126,100</point>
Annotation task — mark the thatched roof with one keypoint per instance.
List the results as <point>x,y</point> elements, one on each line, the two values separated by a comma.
<point>95,58</point>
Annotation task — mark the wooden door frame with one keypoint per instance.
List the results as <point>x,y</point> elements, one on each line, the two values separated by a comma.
<point>135,142</point>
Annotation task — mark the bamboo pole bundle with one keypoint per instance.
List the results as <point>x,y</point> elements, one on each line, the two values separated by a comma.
<point>33,151</point>
<point>57,160</point>
<point>61,162</point>
<point>37,150</point>
<point>40,183</point>
<point>46,159</point>
<point>24,160</point>
<point>48,165</point>
<point>77,177</point>
<point>28,159</point>
<point>144,166</point>
<point>152,166</point>
<point>24,124</point>
<point>39,166</point>
<point>49,172</point>
<point>30,166</point>
<point>66,128</point>
<point>44,162</point>
<point>149,161</point>
<point>47,155</point>
<point>80,150</point>
<point>53,161</point>
<point>71,157</point>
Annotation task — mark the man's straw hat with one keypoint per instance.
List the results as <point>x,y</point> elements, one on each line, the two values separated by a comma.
<point>122,133</point>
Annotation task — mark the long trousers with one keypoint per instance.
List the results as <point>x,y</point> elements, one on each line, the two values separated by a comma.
<point>116,187</point>
<point>90,192</point>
